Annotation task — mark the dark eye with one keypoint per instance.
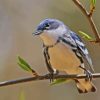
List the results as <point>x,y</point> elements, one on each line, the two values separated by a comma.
<point>47,25</point>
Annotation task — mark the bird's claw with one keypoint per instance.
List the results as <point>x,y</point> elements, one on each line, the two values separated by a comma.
<point>89,75</point>
<point>52,75</point>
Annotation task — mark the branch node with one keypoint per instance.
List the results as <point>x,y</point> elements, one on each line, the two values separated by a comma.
<point>34,73</point>
<point>91,11</point>
<point>89,17</point>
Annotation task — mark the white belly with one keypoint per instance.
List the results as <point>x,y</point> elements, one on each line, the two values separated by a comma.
<point>63,58</point>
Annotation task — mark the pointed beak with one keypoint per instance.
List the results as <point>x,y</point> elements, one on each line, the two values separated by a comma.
<point>37,32</point>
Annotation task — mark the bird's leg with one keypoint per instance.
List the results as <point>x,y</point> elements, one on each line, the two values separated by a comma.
<point>48,64</point>
<point>88,73</point>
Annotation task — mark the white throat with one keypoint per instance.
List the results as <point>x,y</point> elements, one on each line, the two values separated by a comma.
<point>50,37</point>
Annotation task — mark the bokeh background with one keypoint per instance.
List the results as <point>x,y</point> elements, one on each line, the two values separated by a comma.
<point>18,19</point>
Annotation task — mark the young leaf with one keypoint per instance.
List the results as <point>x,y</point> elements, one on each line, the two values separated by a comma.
<point>85,36</point>
<point>93,2</point>
<point>23,64</point>
<point>59,81</point>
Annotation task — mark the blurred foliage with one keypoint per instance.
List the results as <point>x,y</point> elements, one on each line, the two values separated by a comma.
<point>59,81</point>
<point>93,2</point>
<point>22,95</point>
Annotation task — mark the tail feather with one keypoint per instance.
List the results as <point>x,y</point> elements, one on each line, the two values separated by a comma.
<point>85,86</point>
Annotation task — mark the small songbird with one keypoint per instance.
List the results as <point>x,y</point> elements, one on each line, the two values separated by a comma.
<point>65,51</point>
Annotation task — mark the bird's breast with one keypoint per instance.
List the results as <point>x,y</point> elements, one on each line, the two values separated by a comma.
<point>63,58</point>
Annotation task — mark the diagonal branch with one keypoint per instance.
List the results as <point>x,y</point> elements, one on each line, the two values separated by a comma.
<point>45,77</point>
<point>90,19</point>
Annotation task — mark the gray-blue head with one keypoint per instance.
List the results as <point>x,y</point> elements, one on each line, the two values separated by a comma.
<point>48,25</point>
<point>50,30</point>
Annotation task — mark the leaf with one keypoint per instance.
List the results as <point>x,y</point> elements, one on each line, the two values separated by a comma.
<point>93,2</point>
<point>85,36</point>
<point>23,64</point>
<point>59,81</point>
<point>22,95</point>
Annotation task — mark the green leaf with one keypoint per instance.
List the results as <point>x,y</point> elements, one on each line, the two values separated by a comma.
<point>85,36</point>
<point>93,2</point>
<point>22,95</point>
<point>59,81</point>
<point>23,64</point>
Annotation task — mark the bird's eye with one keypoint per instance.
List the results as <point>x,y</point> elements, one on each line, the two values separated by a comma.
<point>47,25</point>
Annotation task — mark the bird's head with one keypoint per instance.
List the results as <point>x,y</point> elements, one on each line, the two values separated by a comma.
<point>50,28</point>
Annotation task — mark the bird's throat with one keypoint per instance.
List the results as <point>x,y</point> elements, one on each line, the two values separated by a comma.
<point>48,39</point>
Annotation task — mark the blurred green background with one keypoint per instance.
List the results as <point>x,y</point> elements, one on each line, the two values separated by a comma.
<point>18,19</point>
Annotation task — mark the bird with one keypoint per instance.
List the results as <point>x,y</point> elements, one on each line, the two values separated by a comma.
<point>65,51</point>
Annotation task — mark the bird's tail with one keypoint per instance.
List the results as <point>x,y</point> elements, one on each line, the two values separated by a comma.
<point>85,86</point>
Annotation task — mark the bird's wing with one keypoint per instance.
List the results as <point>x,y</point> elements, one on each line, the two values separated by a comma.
<point>75,42</point>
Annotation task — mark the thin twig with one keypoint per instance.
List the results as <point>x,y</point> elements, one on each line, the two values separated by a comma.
<point>90,19</point>
<point>45,77</point>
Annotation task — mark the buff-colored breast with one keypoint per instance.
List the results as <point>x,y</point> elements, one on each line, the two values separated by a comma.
<point>63,58</point>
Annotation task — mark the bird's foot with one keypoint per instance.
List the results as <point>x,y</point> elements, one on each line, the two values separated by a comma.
<point>89,75</point>
<point>56,72</point>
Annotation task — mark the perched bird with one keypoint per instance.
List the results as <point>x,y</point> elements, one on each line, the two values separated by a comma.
<point>65,51</point>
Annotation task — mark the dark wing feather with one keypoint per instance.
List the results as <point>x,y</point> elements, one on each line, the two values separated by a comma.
<point>77,45</point>
<point>82,49</point>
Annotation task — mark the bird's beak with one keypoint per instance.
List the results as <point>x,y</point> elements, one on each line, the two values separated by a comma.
<point>37,32</point>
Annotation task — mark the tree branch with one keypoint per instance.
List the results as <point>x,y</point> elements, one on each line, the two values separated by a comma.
<point>45,77</point>
<point>90,19</point>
